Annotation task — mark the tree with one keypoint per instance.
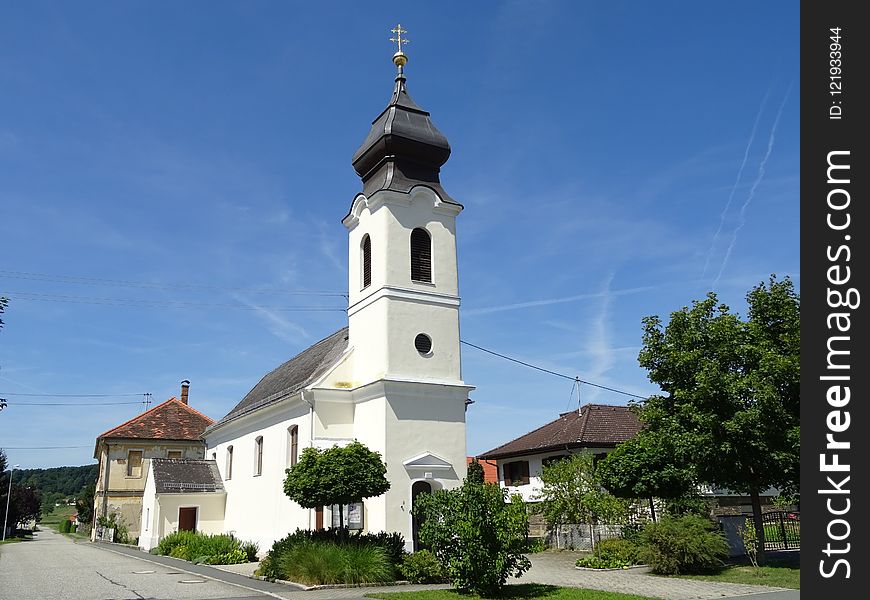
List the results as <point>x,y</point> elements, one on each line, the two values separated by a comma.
<point>24,501</point>
<point>337,475</point>
<point>648,466</point>
<point>85,504</point>
<point>731,390</point>
<point>571,493</point>
<point>476,533</point>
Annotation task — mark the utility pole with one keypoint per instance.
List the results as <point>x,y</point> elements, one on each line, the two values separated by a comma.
<point>8,496</point>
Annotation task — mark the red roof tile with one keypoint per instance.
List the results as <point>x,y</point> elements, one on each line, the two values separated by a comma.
<point>594,425</point>
<point>172,420</point>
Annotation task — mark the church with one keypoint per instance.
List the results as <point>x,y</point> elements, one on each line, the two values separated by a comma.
<point>391,379</point>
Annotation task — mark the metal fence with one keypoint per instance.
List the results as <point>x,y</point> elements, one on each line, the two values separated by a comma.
<point>782,530</point>
<point>579,536</point>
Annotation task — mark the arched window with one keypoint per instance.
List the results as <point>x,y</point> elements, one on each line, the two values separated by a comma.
<point>366,261</point>
<point>421,256</point>
<point>229,474</point>
<point>258,456</point>
<point>293,441</point>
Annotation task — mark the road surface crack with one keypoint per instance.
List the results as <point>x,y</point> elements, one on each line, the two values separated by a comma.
<point>138,595</point>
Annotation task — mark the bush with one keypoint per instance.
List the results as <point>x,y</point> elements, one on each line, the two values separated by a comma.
<point>65,526</point>
<point>318,563</point>
<point>114,521</point>
<point>422,567</point>
<point>393,545</point>
<point>250,549</point>
<point>218,549</point>
<point>620,550</point>
<point>476,534</point>
<point>534,545</point>
<point>688,544</point>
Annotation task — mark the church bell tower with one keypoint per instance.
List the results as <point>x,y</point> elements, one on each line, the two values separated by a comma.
<point>403,308</point>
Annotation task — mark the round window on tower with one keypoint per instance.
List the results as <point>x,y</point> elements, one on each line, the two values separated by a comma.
<point>423,343</point>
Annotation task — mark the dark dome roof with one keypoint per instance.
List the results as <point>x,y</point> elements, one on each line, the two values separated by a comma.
<point>403,133</point>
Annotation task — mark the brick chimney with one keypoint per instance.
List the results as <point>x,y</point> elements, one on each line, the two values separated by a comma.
<point>185,387</point>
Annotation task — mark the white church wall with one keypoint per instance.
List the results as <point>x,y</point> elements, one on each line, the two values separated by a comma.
<point>256,507</point>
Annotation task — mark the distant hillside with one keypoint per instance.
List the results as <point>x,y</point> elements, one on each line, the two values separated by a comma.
<point>65,481</point>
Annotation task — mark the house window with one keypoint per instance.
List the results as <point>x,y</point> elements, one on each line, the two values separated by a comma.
<point>174,454</point>
<point>366,261</point>
<point>229,474</point>
<point>214,456</point>
<point>258,456</point>
<point>293,445</point>
<point>516,473</point>
<point>147,517</point>
<point>134,463</point>
<point>421,256</point>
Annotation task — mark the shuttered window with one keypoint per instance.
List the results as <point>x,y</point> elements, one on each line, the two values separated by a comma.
<point>516,473</point>
<point>366,261</point>
<point>421,256</point>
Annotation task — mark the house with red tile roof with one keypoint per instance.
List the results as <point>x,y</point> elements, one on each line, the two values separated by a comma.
<point>490,470</point>
<point>596,428</point>
<point>171,430</point>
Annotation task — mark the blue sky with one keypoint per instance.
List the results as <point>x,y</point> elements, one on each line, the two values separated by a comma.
<point>616,160</point>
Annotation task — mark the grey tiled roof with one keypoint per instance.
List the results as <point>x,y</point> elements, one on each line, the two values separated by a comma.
<point>298,372</point>
<point>186,475</point>
<point>594,425</point>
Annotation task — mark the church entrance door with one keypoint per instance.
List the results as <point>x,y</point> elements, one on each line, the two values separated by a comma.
<point>419,487</point>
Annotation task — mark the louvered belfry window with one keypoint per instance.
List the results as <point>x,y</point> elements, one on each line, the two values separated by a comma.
<point>421,256</point>
<point>366,261</point>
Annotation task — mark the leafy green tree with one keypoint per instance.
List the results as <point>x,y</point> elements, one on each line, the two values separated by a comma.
<point>571,492</point>
<point>477,534</point>
<point>731,390</point>
<point>648,466</point>
<point>85,504</point>
<point>339,475</point>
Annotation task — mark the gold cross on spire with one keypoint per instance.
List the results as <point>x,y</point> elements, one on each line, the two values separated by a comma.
<point>399,39</point>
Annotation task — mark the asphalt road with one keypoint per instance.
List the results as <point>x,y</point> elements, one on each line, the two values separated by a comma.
<point>53,567</point>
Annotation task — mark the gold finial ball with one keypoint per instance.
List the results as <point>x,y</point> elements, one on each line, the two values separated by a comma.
<point>399,59</point>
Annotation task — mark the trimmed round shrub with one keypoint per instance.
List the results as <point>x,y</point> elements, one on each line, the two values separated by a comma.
<point>688,544</point>
<point>423,567</point>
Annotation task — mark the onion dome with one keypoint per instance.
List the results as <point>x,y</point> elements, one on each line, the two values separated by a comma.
<point>403,147</point>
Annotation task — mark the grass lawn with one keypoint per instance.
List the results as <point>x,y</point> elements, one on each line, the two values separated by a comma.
<point>779,572</point>
<point>55,517</point>
<point>524,591</point>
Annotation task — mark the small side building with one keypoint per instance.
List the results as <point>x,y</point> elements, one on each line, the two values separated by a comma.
<point>181,495</point>
<point>171,430</point>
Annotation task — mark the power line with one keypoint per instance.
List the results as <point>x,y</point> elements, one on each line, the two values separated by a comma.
<point>42,447</point>
<point>68,395</point>
<point>99,281</point>
<point>150,303</point>
<point>574,379</point>
<point>14,404</point>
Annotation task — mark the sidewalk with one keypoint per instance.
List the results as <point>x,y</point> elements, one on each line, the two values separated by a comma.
<point>557,568</point>
<point>551,568</point>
